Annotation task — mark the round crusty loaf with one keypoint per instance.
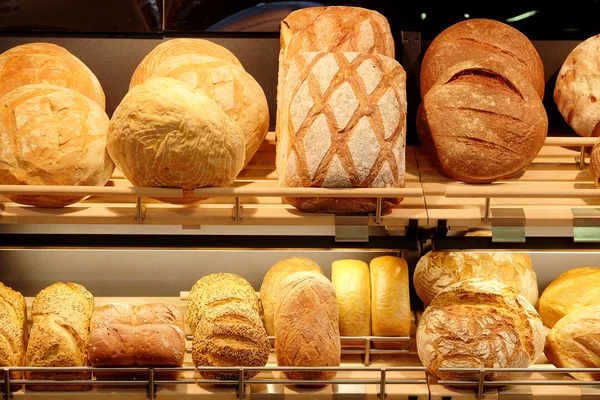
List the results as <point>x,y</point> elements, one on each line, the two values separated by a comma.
<point>165,135</point>
<point>51,135</point>
<point>577,89</point>
<point>33,63</point>
<point>481,122</point>
<point>573,342</point>
<point>437,270</point>
<point>481,38</point>
<point>217,289</point>
<point>595,163</point>
<point>478,323</point>
<point>573,289</point>
<point>235,90</point>
<point>269,289</point>
<point>178,47</point>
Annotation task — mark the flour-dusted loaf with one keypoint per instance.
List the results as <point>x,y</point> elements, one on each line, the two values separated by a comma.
<point>573,289</point>
<point>178,47</point>
<point>235,91</point>
<point>59,335</point>
<point>269,289</point>
<point>13,331</point>
<point>437,270</point>
<point>481,122</point>
<point>51,135</point>
<point>163,134</point>
<point>480,38</point>
<point>478,323</point>
<point>352,284</point>
<point>577,89</point>
<point>48,63</point>
<point>574,342</point>
<point>345,126</point>
<point>307,325</point>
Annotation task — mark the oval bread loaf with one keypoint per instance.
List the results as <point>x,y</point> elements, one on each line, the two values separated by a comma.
<point>13,331</point>
<point>352,284</point>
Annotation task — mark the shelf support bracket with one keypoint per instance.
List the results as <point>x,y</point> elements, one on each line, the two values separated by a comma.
<point>242,385</point>
<point>382,384</point>
<point>580,160</point>
<point>378,211</point>
<point>151,392</point>
<point>238,211</point>
<point>508,225</point>
<point>586,224</point>
<point>140,210</point>
<point>6,384</point>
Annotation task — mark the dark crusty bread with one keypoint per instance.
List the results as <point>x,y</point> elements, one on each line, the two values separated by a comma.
<point>307,325</point>
<point>13,331</point>
<point>482,38</point>
<point>481,122</point>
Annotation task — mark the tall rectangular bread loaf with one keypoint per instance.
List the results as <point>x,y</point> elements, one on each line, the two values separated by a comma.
<point>344,125</point>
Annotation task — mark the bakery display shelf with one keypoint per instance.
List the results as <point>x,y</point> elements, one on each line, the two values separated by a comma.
<point>254,199</point>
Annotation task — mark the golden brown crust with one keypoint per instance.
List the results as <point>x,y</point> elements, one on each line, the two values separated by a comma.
<point>352,284</point>
<point>481,38</point>
<point>595,163</point>
<point>13,331</point>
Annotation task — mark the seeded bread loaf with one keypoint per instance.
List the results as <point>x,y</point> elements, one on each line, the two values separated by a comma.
<point>13,331</point>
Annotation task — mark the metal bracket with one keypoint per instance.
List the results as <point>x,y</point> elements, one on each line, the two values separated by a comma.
<point>241,389</point>
<point>151,388</point>
<point>580,159</point>
<point>1,210</point>
<point>378,211</point>
<point>238,211</point>
<point>508,225</point>
<point>351,228</point>
<point>140,211</point>
<point>6,384</point>
<point>586,224</point>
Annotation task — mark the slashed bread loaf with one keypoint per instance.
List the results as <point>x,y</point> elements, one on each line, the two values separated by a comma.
<point>51,135</point>
<point>307,325</point>
<point>479,323</point>
<point>164,134</point>
<point>343,125</point>
<point>352,284</point>
<point>481,38</point>
<point>233,89</point>
<point>59,335</point>
<point>47,63</point>
<point>481,121</point>
<point>573,289</point>
<point>269,289</point>
<point>574,342</point>
<point>177,47</point>
<point>13,331</point>
<point>577,89</point>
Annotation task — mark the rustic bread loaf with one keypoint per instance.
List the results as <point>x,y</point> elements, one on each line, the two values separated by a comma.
<point>574,342</point>
<point>573,289</point>
<point>269,290</point>
<point>163,134</point>
<point>595,163</point>
<point>478,323</point>
<point>307,325</point>
<point>352,284</point>
<point>481,38</point>
<point>48,63</point>
<point>228,335</point>
<point>13,331</point>
<point>345,126</point>
<point>437,270</point>
<point>577,88</point>
<point>179,47</point>
<point>51,135</point>
<point>59,334</point>
<point>481,122</point>
<point>232,88</point>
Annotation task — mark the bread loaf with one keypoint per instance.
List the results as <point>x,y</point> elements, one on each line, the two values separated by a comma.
<point>574,342</point>
<point>307,325</point>
<point>59,334</point>
<point>437,270</point>
<point>232,88</point>
<point>47,63</point>
<point>269,290</point>
<point>478,323</point>
<point>595,164</point>
<point>350,279</point>
<point>13,331</point>
<point>482,39</point>
<point>577,88</point>
<point>50,135</point>
<point>178,47</point>
<point>573,289</point>
<point>344,126</point>
<point>228,335</point>
<point>481,122</point>
<point>163,134</point>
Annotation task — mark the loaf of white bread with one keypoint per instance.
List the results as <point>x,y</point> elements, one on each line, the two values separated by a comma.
<point>573,289</point>
<point>479,323</point>
<point>149,335</point>
<point>59,335</point>
<point>341,107</point>
<point>352,283</point>
<point>13,331</point>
